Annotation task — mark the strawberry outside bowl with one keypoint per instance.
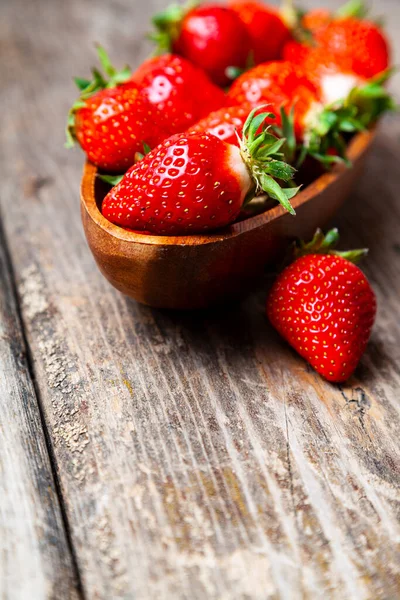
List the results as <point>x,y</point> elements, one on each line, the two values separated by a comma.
<point>196,271</point>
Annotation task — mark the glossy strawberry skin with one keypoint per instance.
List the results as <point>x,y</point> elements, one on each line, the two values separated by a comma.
<point>181,92</point>
<point>267,31</point>
<point>316,20</point>
<point>332,75</point>
<point>358,43</point>
<point>278,84</point>
<point>225,123</point>
<point>213,38</point>
<point>113,125</point>
<point>324,307</point>
<point>296,52</point>
<point>190,183</point>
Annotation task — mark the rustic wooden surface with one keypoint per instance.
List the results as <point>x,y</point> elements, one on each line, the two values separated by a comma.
<point>35,558</point>
<point>195,455</point>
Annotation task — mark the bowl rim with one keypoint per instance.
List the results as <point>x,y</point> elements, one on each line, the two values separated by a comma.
<point>356,148</point>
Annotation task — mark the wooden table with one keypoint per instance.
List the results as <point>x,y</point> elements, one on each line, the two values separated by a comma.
<point>147,454</point>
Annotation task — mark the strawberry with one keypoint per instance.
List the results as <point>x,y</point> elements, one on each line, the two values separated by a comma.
<point>295,52</point>
<point>307,25</point>
<point>352,43</point>
<point>334,78</point>
<point>302,119</point>
<point>211,36</point>
<point>359,44</point>
<point>278,79</point>
<point>266,29</point>
<point>282,85</point>
<point>180,91</point>
<point>226,123</point>
<point>323,305</point>
<point>112,119</point>
<point>196,182</point>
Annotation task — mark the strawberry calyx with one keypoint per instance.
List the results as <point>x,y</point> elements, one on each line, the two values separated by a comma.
<point>88,88</point>
<point>372,99</point>
<point>261,152</point>
<point>168,25</point>
<point>327,127</point>
<point>325,141</point>
<point>326,244</point>
<point>355,113</point>
<point>323,135</point>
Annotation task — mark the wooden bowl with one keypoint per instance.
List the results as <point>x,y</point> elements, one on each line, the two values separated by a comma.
<point>199,270</point>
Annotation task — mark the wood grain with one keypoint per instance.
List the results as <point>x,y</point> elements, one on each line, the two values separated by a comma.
<point>198,456</point>
<point>35,558</point>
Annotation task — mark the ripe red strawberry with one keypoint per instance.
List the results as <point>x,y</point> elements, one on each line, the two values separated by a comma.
<point>211,36</point>
<point>333,77</point>
<point>344,39</point>
<point>323,305</point>
<point>180,91</point>
<point>196,182</point>
<point>267,30</point>
<point>282,85</point>
<point>298,103</point>
<point>359,44</point>
<point>112,119</point>
<point>226,123</point>
<point>295,52</point>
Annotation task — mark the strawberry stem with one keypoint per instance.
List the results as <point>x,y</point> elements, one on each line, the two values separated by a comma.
<point>261,151</point>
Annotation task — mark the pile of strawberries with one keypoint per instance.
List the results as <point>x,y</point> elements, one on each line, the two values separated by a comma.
<point>176,126</point>
<point>239,102</point>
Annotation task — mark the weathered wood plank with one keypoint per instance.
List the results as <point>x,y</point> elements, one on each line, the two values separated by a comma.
<point>198,456</point>
<point>35,558</point>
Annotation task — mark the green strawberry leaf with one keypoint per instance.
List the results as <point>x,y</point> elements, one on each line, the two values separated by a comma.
<point>330,240</point>
<point>105,61</point>
<point>146,148</point>
<point>351,125</point>
<point>291,192</point>
<point>81,83</point>
<point>272,146</point>
<point>261,151</point>
<point>326,244</point>
<point>172,14</point>
<point>112,180</point>
<point>274,190</point>
<point>280,170</point>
